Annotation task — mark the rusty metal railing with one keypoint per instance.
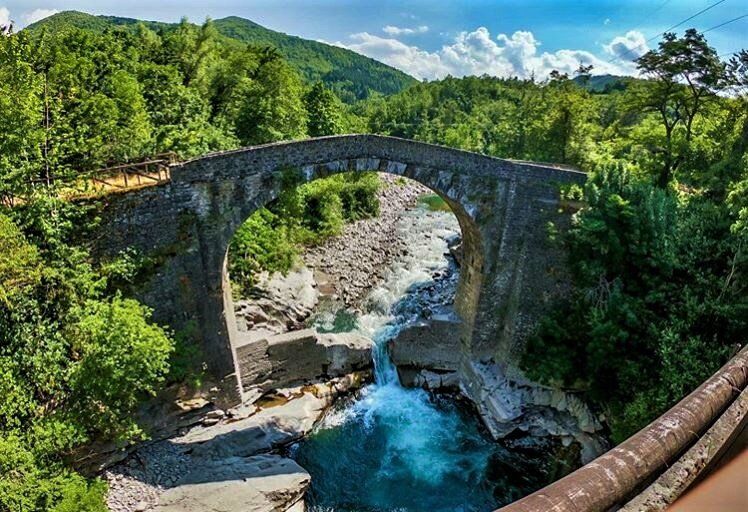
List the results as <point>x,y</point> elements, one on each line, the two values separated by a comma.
<point>616,475</point>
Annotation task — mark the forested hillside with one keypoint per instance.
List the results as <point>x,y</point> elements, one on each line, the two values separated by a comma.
<point>351,75</point>
<point>658,252</point>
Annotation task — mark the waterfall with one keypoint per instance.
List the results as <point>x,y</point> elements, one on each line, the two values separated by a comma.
<point>395,448</point>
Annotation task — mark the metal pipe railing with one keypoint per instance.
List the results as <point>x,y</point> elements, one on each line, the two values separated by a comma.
<point>616,475</point>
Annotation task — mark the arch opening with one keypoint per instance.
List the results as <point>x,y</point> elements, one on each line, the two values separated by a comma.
<point>435,183</point>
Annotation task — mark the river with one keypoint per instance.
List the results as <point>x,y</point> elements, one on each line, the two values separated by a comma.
<point>395,448</point>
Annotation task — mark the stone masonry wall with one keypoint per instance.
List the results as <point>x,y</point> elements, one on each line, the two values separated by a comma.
<point>511,273</point>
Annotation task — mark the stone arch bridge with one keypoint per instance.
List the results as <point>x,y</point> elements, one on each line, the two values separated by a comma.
<point>511,271</point>
<point>511,274</point>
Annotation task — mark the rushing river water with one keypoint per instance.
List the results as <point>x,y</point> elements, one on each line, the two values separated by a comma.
<point>392,448</point>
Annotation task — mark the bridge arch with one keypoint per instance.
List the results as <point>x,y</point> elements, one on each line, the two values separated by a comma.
<point>510,275</point>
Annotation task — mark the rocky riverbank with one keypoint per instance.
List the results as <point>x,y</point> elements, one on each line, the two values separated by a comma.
<point>230,461</point>
<point>343,268</point>
<point>350,265</point>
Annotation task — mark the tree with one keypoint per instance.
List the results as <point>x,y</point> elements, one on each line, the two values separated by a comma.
<point>686,73</point>
<point>121,358</point>
<point>192,50</point>
<point>265,105</point>
<point>21,132</point>
<point>737,79</point>
<point>324,111</point>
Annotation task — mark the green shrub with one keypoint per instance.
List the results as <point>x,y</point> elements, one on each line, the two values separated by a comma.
<point>31,483</point>
<point>121,358</point>
<point>272,238</point>
<point>263,242</point>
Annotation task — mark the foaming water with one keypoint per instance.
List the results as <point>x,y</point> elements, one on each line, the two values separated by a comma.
<point>394,448</point>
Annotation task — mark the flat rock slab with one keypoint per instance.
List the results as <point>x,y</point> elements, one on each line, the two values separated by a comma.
<point>263,483</point>
<point>260,432</point>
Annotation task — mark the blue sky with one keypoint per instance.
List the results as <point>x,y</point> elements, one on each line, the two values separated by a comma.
<point>430,39</point>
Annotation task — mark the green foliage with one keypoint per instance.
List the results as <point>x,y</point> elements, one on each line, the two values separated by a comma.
<point>509,118</point>
<point>121,358</point>
<point>126,270</point>
<point>656,308</point>
<point>351,75</point>
<point>435,203</point>
<point>266,105</point>
<point>77,99</point>
<point>688,73</point>
<point>324,110</point>
<point>272,238</point>
<point>261,243</point>
<point>31,482</point>
<point>74,364</point>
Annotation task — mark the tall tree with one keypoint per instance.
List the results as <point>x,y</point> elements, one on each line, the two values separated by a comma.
<point>324,111</point>
<point>686,73</point>
<point>21,133</point>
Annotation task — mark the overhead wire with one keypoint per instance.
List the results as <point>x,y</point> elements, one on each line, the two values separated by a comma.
<point>708,8</point>
<point>715,27</point>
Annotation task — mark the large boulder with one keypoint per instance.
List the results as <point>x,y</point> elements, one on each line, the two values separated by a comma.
<point>433,344</point>
<point>280,419</point>
<point>263,431</point>
<point>263,483</point>
<point>282,303</point>
<point>427,354</point>
<point>301,357</point>
<point>516,404</point>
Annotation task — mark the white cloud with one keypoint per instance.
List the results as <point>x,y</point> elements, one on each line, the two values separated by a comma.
<point>477,53</point>
<point>4,17</point>
<point>629,47</point>
<point>606,21</point>
<point>392,30</point>
<point>37,14</point>
<point>411,59</point>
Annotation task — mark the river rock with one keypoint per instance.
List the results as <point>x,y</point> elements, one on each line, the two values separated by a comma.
<point>432,380</point>
<point>267,429</point>
<point>263,483</point>
<point>301,357</point>
<point>454,245</point>
<point>281,303</point>
<point>432,344</point>
<point>514,404</point>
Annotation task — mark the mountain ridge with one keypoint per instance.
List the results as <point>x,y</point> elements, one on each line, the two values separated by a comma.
<point>352,75</point>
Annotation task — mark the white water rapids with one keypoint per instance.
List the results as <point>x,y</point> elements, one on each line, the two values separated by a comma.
<point>395,448</point>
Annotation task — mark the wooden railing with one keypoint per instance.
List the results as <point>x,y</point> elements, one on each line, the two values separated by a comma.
<point>153,171</point>
<point>135,174</point>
